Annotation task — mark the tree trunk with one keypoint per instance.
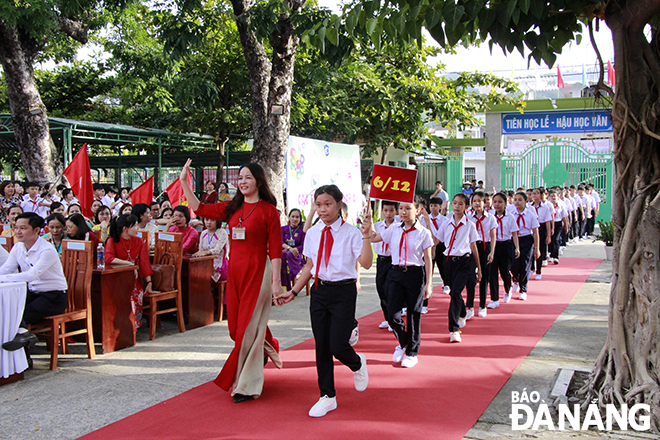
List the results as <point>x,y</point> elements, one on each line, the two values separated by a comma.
<point>628,367</point>
<point>221,159</point>
<point>271,83</point>
<point>39,156</point>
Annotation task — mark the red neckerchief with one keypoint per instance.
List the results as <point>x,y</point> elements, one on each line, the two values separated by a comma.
<point>520,217</point>
<point>480,225</point>
<point>435,223</point>
<point>501,228</point>
<point>325,248</point>
<point>453,237</point>
<point>404,241</point>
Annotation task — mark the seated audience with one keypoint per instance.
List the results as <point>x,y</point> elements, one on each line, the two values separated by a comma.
<point>181,218</point>
<point>12,213</point>
<point>214,241</point>
<point>56,231</point>
<point>102,223</point>
<point>77,229</point>
<point>210,195</point>
<point>143,214</point>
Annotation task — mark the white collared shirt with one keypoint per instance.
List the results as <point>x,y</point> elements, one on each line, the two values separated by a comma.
<point>107,200</point>
<point>511,208</point>
<point>596,196</point>
<point>419,239</point>
<point>526,221</point>
<point>381,248</point>
<point>440,220</point>
<point>346,248</point>
<point>506,226</point>
<point>559,212</point>
<point>40,267</point>
<point>483,225</point>
<point>543,212</point>
<point>30,205</point>
<point>466,234</point>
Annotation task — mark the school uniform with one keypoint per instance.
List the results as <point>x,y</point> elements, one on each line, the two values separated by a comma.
<point>383,265</point>
<point>577,200</point>
<point>504,254</point>
<point>522,265</point>
<point>570,208</point>
<point>30,205</point>
<point>511,209</point>
<point>458,238</point>
<point>438,259</point>
<point>559,213</point>
<point>584,201</point>
<point>333,296</point>
<point>543,215</point>
<point>406,280</point>
<point>107,200</point>
<point>484,225</point>
<point>591,220</point>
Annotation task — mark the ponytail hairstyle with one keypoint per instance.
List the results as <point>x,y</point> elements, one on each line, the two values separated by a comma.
<point>118,224</point>
<point>262,185</point>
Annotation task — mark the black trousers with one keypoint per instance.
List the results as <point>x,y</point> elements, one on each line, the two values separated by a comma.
<point>557,240</point>
<point>459,270</point>
<point>332,312</point>
<point>404,289</point>
<point>502,259</point>
<point>485,278</point>
<point>38,305</point>
<point>582,224</point>
<point>439,260</point>
<point>543,235</point>
<point>523,265</point>
<point>591,223</point>
<point>383,266</point>
<point>564,234</point>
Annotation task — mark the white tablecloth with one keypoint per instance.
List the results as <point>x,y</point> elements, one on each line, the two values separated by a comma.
<point>12,304</point>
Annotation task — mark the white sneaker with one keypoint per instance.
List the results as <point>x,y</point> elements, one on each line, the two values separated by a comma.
<point>323,406</point>
<point>446,290</point>
<point>455,337</point>
<point>493,304</point>
<point>482,313</point>
<point>383,324</point>
<point>556,260</point>
<point>404,311</point>
<point>470,315</point>
<point>515,287</point>
<point>507,297</point>
<point>425,310</point>
<point>545,263</point>
<point>389,329</point>
<point>399,354</point>
<point>409,361</point>
<point>462,322</point>
<point>538,277</point>
<point>361,376</point>
<point>355,336</point>
<point>522,296</point>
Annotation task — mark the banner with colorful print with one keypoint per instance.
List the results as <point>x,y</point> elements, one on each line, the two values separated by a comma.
<point>311,163</point>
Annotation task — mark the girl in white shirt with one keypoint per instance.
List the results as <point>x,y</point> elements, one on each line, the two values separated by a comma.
<point>506,250</point>
<point>332,248</point>
<point>528,237</point>
<point>486,226</point>
<point>214,241</point>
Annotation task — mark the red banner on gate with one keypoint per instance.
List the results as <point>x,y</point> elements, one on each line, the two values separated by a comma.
<point>393,183</point>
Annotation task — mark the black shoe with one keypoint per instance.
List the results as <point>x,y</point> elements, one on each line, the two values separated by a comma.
<point>238,398</point>
<point>20,340</point>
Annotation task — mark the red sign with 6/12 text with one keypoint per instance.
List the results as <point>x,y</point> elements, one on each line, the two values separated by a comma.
<point>393,183</point>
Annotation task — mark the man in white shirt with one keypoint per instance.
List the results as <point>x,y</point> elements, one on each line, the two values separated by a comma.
<point>41,270</point>
<point>3,255</point>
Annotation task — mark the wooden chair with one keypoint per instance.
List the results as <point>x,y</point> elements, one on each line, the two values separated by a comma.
<point>169,250</point>
<point>77,263</point>
<point>7,242</point>
<point>222,287</point>
<point>144,235</point>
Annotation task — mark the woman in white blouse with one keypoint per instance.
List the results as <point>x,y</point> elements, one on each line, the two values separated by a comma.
<point>214,241</point>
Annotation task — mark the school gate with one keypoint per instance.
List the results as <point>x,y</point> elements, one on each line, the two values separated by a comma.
<point>561,162</point>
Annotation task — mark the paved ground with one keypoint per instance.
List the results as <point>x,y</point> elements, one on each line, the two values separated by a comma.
<point>83,395</point>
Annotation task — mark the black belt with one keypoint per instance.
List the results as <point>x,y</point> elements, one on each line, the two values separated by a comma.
<point>406,268</point>
<point>458,258</point>
<point>384,258</point>
<point>504,241</point>
<point>337,283</point>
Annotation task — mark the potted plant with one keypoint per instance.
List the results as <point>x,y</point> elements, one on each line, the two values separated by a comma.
<point>606,235</point>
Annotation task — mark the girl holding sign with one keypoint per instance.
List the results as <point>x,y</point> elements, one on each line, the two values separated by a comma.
<point>332,248</point>
<point>253,279</point>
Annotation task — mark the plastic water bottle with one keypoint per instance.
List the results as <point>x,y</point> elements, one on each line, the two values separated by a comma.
<point>100,257</point>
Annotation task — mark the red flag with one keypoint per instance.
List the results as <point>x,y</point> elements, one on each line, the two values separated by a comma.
<point>175,194</point>
<point>560,79</point>
<point>143,193</point>
<point>80,178</point>
<point>611,74</point>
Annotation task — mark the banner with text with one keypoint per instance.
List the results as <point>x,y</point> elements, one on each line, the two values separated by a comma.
<point>572,121</point>
<point>311,163</point>
<point>393,183</point>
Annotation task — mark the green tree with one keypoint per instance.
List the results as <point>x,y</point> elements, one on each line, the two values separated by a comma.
<point>628,368</point>
<point>38,30</point>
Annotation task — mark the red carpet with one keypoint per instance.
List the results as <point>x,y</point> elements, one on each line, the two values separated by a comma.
<point>441,398</point>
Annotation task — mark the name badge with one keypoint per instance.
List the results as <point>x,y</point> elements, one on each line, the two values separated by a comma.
<point>238,233</point>
<point>291,242</point>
